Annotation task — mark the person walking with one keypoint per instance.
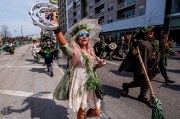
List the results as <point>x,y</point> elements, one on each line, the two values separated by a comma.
<point>48,52</point>
<point>131,64</point>
<point>164,54</point>
<point>109,51</point>
<point>83,63</point>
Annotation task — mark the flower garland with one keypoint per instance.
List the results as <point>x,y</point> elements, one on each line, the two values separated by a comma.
<point>93,82</point>
<point>79,27</point>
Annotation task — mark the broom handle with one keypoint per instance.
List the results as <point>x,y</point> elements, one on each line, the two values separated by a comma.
<point>145,72</point>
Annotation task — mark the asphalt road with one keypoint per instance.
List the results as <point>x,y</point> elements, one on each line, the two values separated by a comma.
<point>26,90</point>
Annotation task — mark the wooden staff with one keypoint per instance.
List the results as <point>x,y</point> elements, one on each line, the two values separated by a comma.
<point>145,73</point>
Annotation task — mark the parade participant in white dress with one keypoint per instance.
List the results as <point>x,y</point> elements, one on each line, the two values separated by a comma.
<point>83,63</point>
<point>35,48</point>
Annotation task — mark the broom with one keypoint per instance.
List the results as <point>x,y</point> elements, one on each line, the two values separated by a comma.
<point>154,102</point>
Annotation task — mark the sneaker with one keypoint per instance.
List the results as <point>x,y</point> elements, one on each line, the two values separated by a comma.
<point>125,89</point>
<point>52,74</point>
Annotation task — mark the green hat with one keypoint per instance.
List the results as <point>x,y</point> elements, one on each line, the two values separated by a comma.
<point>140,32</point>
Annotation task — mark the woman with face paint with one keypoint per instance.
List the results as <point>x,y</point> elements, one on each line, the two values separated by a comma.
<point>82,60</point>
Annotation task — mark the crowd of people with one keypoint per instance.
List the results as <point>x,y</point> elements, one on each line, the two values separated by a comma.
<point>10,46</point>
<point>80,84</point>
<point>154,54</point>
<point>46,48</point>
<point>110,48</point>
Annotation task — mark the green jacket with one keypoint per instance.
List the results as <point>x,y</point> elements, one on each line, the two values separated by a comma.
<point>62,90</point>
<point>131,62</point>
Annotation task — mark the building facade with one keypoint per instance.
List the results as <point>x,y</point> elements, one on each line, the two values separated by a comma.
<point>118,17</point>
<point>172,20</point>
<point>75,11</point>
<point>62,15</point>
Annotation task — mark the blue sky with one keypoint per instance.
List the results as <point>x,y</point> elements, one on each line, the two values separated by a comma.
<point>14,14</point>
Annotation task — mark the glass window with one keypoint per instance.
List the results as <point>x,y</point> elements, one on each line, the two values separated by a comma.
<point>110,6</point>
<point>91,15</point>
<point>141,10</point>
<point>110,19</point>
<point>91,5</point>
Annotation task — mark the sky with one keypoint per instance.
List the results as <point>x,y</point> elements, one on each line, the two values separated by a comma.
<point>14,14</point>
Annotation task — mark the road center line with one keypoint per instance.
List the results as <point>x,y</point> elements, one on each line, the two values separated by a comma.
<point>27,94</point>
<point>25,66</point>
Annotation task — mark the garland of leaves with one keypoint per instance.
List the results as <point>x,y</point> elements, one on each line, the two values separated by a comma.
<point>79,27</point>
<point>143,30</point>
<point>93,82</point>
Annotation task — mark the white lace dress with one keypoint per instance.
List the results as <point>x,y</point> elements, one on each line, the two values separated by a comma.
<point>79,96</point>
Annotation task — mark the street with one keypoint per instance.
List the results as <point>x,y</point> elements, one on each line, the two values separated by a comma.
<point>26,90</point>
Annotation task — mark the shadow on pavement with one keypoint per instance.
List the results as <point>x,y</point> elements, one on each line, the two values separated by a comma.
<point>33,62</point>
<point>159,81</point>
<point>174,58</point>
<point>111,91</point>
<point>131,97</point>
<point>40,70</point>
<point>172,86</point>
<point>63,66</point>
<point>174,70</point>
<point>40,108</point>
<point>124,74</point>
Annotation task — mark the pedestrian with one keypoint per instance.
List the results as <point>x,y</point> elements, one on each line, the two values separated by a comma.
<point>55,43</point>
<point>83,63</point>
<point>98,48</point>
<point>131,64</point>
<point>109,51</point>
<point>35,48</point>
<point>48,52</point>
<point>155,52</point>
<point>164,54</point>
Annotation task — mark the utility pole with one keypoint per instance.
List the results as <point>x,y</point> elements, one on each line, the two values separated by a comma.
<point>21,30</point>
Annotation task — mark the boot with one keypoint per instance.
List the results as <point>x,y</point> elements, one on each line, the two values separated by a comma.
<point>143,99</point>
<point>81,114</point>
<point>52,74</point>
<point>168,80</point>
<point>125,89</point>
<point>93,113</point>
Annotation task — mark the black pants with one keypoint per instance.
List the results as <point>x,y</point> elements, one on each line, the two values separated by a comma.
<point>50,67</point>
<point>139,81</point>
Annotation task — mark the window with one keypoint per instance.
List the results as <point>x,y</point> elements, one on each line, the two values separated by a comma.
<point>91,5</point>
<point>69,1</point>
<point>141,10</point>
<point>110,20</point>
<point>110,7</point>
<point>91,15</point>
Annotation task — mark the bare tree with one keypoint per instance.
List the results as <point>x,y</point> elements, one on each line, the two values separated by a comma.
<point>5,31</point>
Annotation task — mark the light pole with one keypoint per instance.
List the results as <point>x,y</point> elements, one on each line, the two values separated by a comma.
<point>22,30</point>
